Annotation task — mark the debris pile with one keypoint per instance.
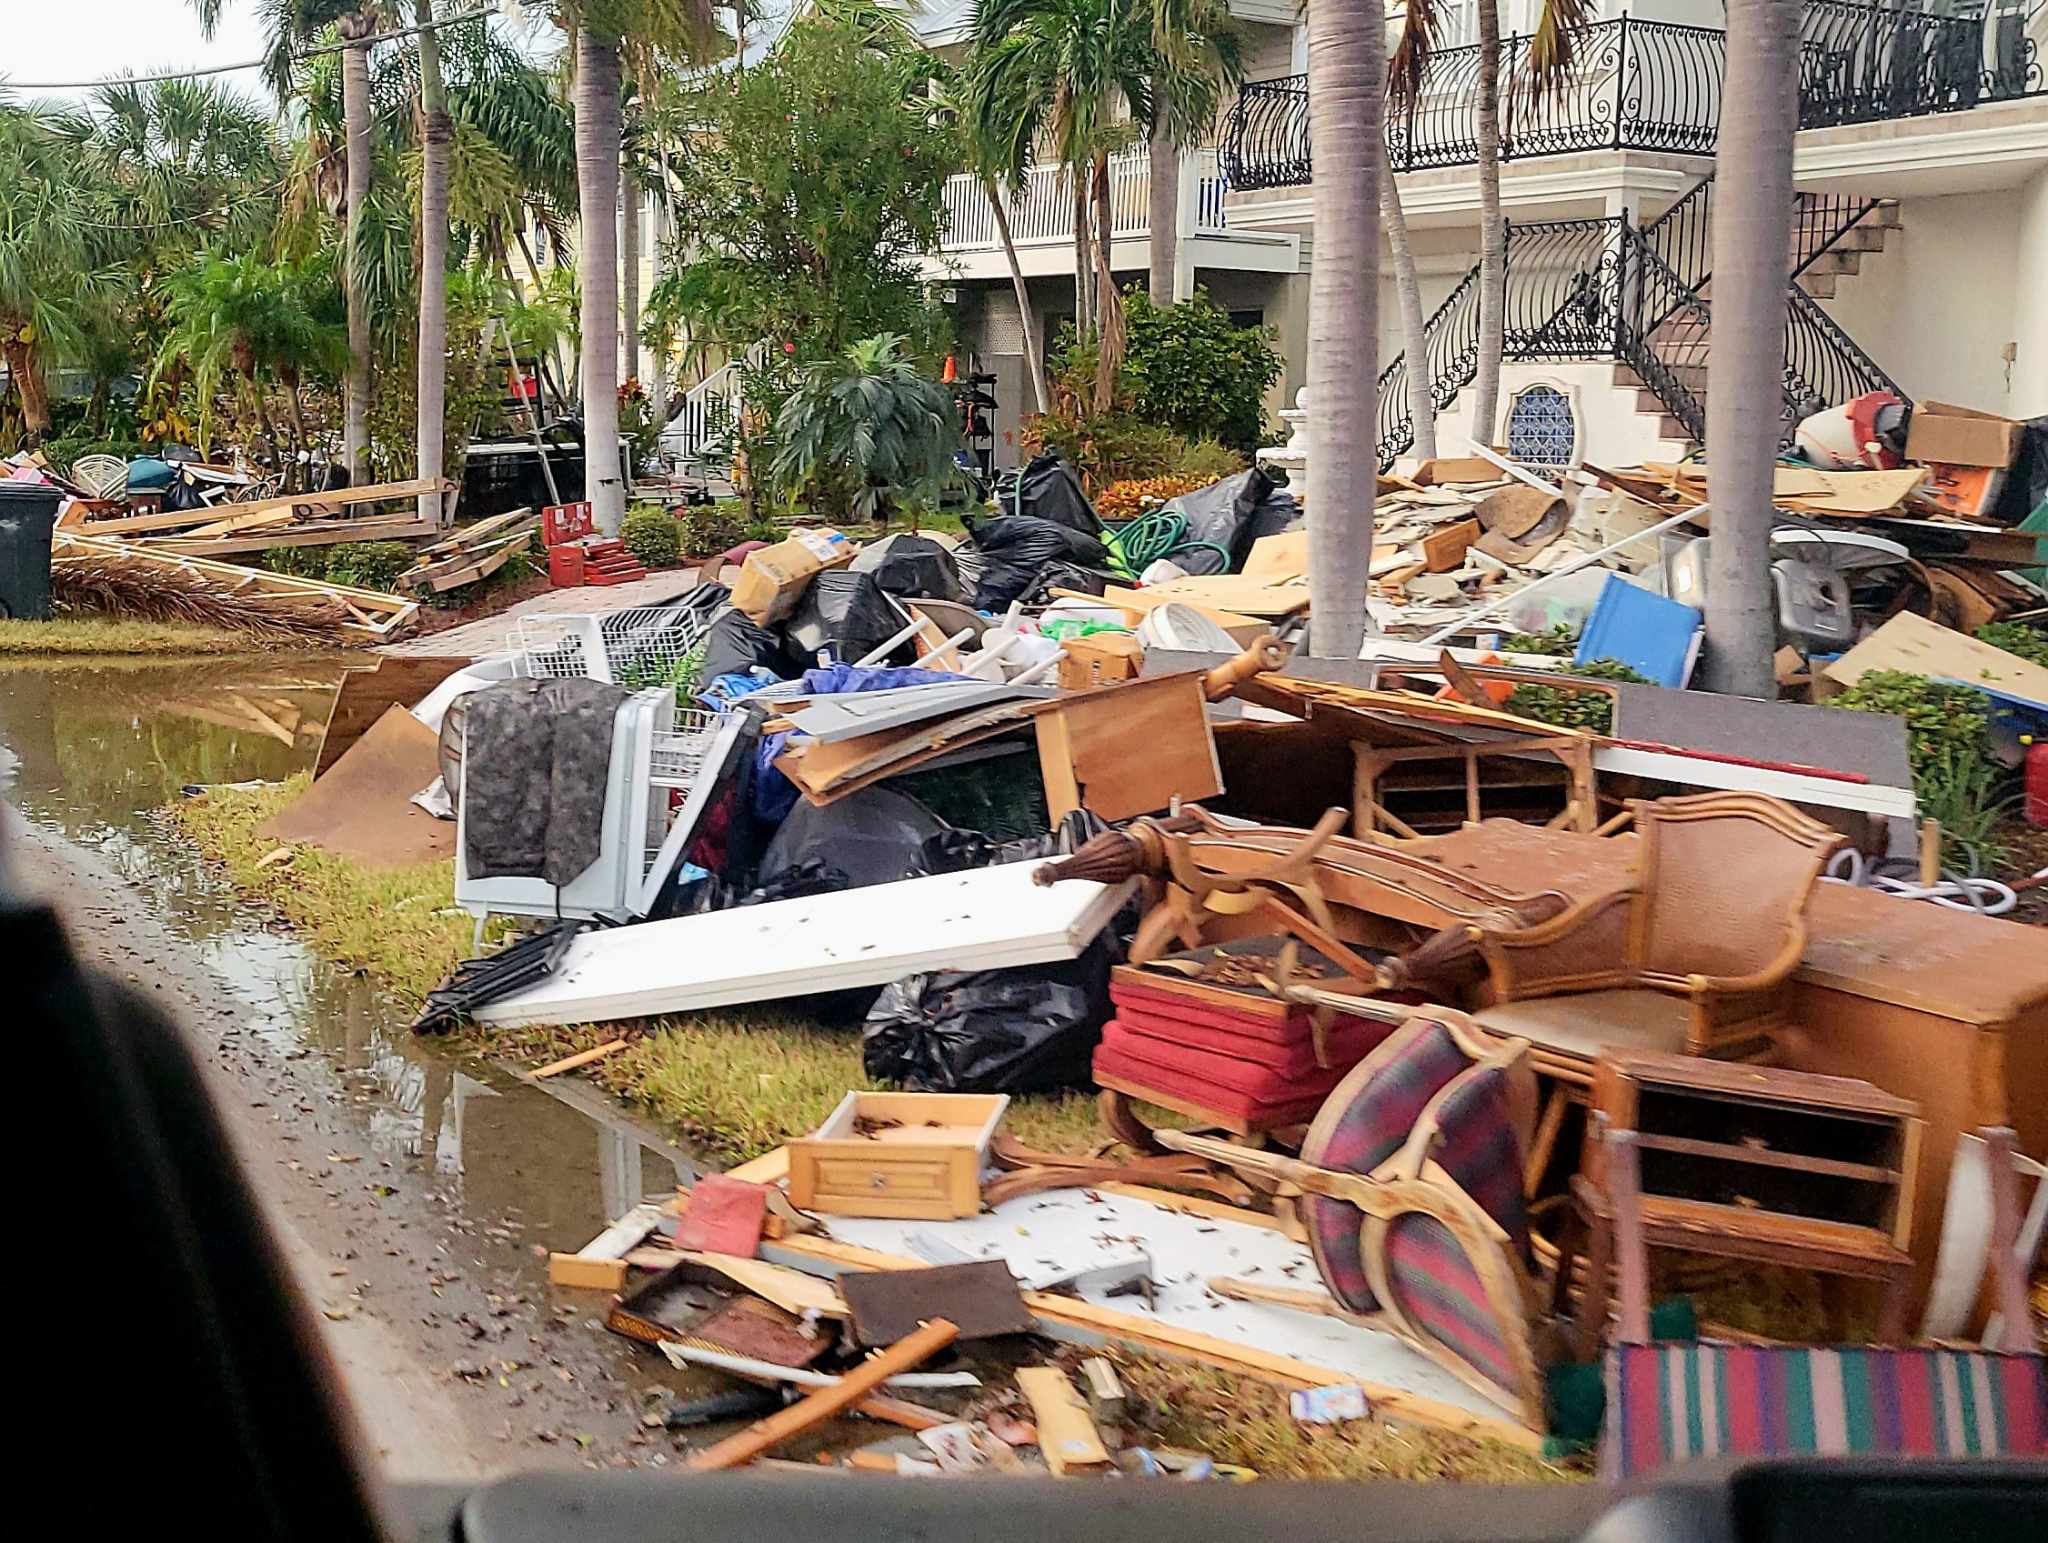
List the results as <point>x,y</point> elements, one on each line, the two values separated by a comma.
<point>1473,970</point>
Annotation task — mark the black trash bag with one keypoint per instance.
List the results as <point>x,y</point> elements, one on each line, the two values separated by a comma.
<point>1231,514</point>
<point>1032,1029</point>
<point>1048,489</point>
<point>845,612</point>
<point>2026,484</point>
<point>916,567</point>
<point>734,644</point>
<point>955,851</point>
<point>1064,576</point>
<point>1017,548</point>
<point>875,836</point>
<point>702,896</point>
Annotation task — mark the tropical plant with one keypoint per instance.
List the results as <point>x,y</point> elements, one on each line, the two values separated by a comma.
<point>1942,721</point>
<point>867,431</point>
<point>2027,640</point>
<point>1746,351</point>
<point>239,320</point>
<point>1573,707</point>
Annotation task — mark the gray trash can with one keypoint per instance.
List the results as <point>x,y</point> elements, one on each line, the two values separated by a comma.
<point>28,512</point>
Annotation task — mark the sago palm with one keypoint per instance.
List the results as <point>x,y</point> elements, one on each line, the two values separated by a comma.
<point>866,431</point>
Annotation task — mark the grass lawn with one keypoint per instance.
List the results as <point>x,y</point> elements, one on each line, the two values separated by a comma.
<point>731,1084</point>
<point>735,1084</point>
<point>108,636</point>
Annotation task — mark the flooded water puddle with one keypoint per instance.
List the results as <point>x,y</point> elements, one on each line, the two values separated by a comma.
<point>90,752</point>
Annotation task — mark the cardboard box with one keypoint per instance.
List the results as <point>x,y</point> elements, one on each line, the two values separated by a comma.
<point>772,580</point>
<point>1945,435</point>
<point>1099,659</point>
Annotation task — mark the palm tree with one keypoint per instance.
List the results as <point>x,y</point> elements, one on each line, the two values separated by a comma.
<point>1746,350</point>
<point>239,319</point>
<point>48,285</point>
<point>288,26</point>
<point>437,136</point>
<point>1419,30</point>
<point>1347,95</point>
<point>1056,72</point>
<point>600,28</point>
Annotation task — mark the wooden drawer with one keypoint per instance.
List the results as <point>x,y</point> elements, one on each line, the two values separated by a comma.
<point>914,1155</point>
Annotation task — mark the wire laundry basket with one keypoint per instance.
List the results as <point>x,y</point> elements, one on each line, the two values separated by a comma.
<point>638,647</point>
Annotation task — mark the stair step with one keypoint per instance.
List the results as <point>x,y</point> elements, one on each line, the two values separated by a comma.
<point>1819,285</point>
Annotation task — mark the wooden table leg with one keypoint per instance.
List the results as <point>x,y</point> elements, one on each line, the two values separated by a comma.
<point>1592,1316</point>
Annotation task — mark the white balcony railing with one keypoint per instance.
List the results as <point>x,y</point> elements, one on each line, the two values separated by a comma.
<point>1043,214</point>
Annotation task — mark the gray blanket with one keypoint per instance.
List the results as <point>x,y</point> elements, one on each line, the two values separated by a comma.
<point>536,760</point>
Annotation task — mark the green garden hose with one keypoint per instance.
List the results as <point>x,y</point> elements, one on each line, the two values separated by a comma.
<point>1155,534</point>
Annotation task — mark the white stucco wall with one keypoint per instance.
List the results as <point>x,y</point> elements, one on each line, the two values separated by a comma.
<point>1938,306</point>
<point>1611,431</point>
<point>2029,397</point>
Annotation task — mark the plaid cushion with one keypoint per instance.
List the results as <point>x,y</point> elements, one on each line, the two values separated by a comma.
<point>1437,1290</point>
<point>1400,1078</point>
<point>1668,1403</point>
<point>1476,1146</point>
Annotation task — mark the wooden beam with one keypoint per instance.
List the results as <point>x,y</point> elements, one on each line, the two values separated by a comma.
<point>325,533</point>
<point>764,1436</point>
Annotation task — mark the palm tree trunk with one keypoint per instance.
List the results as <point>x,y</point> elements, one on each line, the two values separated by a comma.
<point>1347,80</point>
<point>657,383</point>
<point>629,273</point>
<point>1027,318</point>
<point>1493,234</point>
<point>1109,310</point>
<point>355,112</point>
<point>1414,325</point>
<point>1084,265</point>
<point>1163,212</point>
<point>27,371</point>
<point>437,135</point>
<point>298,468</point>
<point>1746,348</point>
<point>597,182</point>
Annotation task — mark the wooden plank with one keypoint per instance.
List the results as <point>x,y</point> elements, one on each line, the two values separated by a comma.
<point>1445,549</point>
<point>791,1290</point>
<point>327,533</point>
<point>1127,749</point>
<point>570,1063</point>
<point>469,537</point>
<point>856,1385</point>
<point>1066,1431</point>
<point>584,1274</point>
<point>239,522</point>
<point>768,1168</point>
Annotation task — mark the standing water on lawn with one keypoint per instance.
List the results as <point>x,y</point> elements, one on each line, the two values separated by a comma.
<point>89,755</point>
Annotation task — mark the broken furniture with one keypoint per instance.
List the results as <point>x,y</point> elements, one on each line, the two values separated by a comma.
<point>1746,1162</point>
<point>1944,1007</point>
<point>1690,955</point>
<point>1202,1033</point>
<point>1411,1180</point>
<point>897,1154</point>
<point>1669,1403</point>
<point>1986,1231</point>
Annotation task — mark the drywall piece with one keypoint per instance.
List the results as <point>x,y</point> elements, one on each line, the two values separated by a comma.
<point>1189,1242</point>
<point>828,719</point>
<point>980,1298</point>
<point>984,919</point>
<point>360,807</point>
<point>1066,1432</point>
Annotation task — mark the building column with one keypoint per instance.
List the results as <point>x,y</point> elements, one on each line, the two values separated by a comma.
<point>1187,212</point>
<point>2029,395</point>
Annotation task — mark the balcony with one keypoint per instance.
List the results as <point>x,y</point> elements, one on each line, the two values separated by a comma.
<point>1656,86</point>
<point>1043,214</point>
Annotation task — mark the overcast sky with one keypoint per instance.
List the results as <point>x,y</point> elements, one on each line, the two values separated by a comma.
<point>60,40</point>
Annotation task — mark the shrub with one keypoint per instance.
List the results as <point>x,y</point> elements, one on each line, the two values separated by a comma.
<point>866,431</point>
<point>1128,499</point>
<point>1943,723</point>
<point>709,529</point>
<point>1189,367</point>
<point>1571,709</point>
<point>2029,640</point>
<point>368,564</point>
<point>1104,448</point>
<point>653,536</point>
<point>1207,461</point>
<point>1560,642</point>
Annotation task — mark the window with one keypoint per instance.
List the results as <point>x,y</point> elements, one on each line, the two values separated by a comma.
<point>1248,318</point>
<point>1541,427</point>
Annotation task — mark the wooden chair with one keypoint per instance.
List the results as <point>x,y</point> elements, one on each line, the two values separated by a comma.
<point>1411,1190</point>
<point>1691,957</point>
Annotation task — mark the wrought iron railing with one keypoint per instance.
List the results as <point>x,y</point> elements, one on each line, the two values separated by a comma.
<point>1861,63</point>
<point>1611,289</point>
<point>1646,85</point>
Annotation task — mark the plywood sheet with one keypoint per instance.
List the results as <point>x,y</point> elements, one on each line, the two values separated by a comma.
<point>986,918</point>
<point>366,694</point>
<point>361,807</point>
<point>1921,647</point>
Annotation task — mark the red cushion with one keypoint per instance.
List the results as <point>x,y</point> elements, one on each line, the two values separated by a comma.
<point>1265,1083</point>
<point>1346,1044</point>
<point>1173,1083</point>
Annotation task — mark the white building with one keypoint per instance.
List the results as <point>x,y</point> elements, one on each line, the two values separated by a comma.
<point>1919,249</point>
